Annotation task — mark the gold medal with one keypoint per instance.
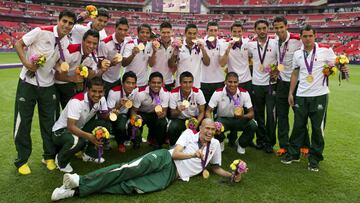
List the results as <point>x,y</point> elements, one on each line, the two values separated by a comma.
<point>261,68</point>
<point>238,111</point>
<point>309,78</point>
<point>113,116</point>
<point>118,58</point>
<point>64,67</point>
<point>158,109</point>
<point>128,104</point>
<point>281,67</point>
<point>211,39</point>
<point>236,39</point>
<point>205,174</point>
<point>195,41</point>
<point>141,46</point>
<point>186,103</point>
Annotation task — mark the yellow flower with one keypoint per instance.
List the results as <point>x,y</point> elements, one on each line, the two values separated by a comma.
<point>342,60</point>
<point>236,162</point>
<point>138,123</point>
<point>233,166</point>
<point>222,129</point>
<point>334,69</point>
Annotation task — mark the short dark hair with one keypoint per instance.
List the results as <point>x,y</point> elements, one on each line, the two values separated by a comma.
<point>279,19</point>
<point>261,21</point>
<point>306,27</point>
<point>186,74</point>
<point>91,32</point>
<point>231,74</point>
<point>188,26</point>
<point>95,81</point>
<point>211,23</point>
<point>67,13</point>
<point>127,75</point>
<point>236,24</point>
<point>144,25</point>
<point>121,21</point>
<point>103,12</point>
<point>156,74</point>
<point>165,24</point>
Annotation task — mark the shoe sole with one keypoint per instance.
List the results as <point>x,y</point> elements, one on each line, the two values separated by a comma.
<point>50,169</point>
<point>53,195</point>
<point>313,169</point>
<point>68,182</point>
<point>289,162</point>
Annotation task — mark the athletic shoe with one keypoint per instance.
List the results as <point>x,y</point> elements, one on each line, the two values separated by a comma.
<point>313,166</point>
<point>304,151</point>
<point>71,181</point>
<point>288,159</point>
<point>127,143</point>
<point>66,169</point>
<point>24,169</point>
<point>121,148</point>
<point>87,158</point>
<point>50,164</point>
<point>268,149</point>
<point>240,150</point>
<point>281,152</point>
<point>62,193</point>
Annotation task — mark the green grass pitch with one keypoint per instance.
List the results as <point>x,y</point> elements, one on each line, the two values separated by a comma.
<point>267,180</point>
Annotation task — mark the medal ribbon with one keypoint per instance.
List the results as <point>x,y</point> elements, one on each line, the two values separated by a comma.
<point>236,101</point>
<point>282,54</point>
<point>57,41</point>
<point>203,162</point>
<point>262,56</point>
<point>237,45</point>
<point>310,67</point>
<point>210,45</point>
<point>155,96</point>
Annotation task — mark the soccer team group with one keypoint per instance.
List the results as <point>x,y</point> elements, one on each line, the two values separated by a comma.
<point>168,84</point>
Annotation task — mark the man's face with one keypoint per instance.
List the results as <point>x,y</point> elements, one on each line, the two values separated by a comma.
<point>129,85</point>
<point>144,34</point>
<point>155,84</point>
<point>95,93</point>
<point>237,32</point>
<point>100,22</point>
<point>190,35</point>
<point>308,38</point>
<point>121,31</point>
<point>90,44</point>
<point>186,84</point>
<point>207,131</point>
<point>165,34</point>
<point>212,31</point>
<point>261,30</point>
<point>65,24</point>
<point>232,84</point>
<point>281,29</point>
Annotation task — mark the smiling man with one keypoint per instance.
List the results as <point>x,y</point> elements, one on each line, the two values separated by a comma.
<point>72,131</point>
<point>36,86</point>
<point>154,171</point>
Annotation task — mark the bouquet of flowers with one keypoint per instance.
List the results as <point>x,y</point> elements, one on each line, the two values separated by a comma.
<point>82,71</point>
<point>238,166</point>
<point>219,128</point>
<point>101,134</point>
<point>39,60</point>
<point>341,61</point>
<point>92,11</point>
<point>136,123</point>
<point>328,69</point>
<point>192,124</point>
<point>273,71</point>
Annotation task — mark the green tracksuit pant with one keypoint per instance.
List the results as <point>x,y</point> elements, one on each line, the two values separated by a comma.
<point>27,96</point>
<point>151,172</point>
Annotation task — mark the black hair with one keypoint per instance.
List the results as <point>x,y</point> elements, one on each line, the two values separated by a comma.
<point>122,21</point>
<point>236,24</point>
<point>103,12</point>
<point>211,23</point>
<point>186,74</point>
<point>91,32</point>
<point>165,24</point>
<point>231,74</point>
<point>279,19</point>
<point>67,13</point>
<point>156,74</point>
<point>188,26</point>
<point>95,81</point>
<point>306,27</point>
<point>261,21</point>
<point>127,75</point>
<point>144,25</point>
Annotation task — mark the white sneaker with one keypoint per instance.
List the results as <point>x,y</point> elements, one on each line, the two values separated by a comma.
<point>240,150</point>
<point>62,193</point>
<point>222,146</point>
<point>71,181</point>
<point>87,158</point>
<point>67,169</point>
<point>127,143</point>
